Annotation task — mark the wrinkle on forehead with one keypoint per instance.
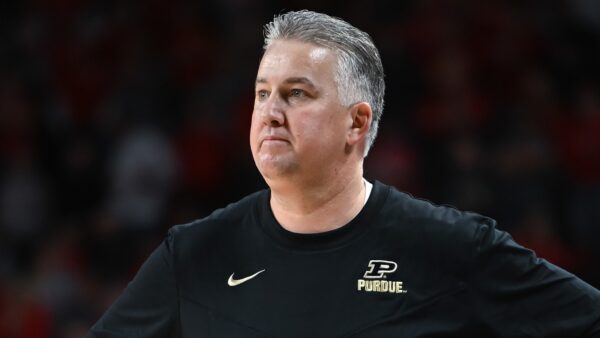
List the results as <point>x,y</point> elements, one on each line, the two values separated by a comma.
<point>279,53</point>
<point>285,59</point>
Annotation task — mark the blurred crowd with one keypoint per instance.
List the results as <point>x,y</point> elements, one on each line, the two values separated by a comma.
<point>119,119</point>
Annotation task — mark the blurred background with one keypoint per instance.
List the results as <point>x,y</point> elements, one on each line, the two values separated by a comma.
<point>119,119</point>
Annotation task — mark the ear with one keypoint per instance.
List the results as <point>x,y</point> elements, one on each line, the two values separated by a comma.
<point>362,115</point>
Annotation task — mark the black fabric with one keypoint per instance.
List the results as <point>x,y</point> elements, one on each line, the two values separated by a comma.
<point>461,277</point>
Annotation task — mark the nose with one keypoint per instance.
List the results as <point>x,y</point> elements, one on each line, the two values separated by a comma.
<point>273,112</point>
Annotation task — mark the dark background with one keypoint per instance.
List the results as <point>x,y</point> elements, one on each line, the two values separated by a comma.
<point>119,119</point>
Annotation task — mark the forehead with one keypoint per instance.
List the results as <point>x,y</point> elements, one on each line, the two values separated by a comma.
<point>291,58</point>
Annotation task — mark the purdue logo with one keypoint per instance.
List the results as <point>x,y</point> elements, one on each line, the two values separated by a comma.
<point>376,275</point>
<point>379,268</point>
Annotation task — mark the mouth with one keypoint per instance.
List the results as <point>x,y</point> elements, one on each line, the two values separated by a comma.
<point>274,140</point>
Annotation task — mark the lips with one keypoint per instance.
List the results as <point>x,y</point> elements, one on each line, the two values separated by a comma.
<point>273,138</point>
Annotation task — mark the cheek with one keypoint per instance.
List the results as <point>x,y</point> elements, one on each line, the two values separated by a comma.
<point>312,132</point>
<point>256,121</point>
<point>329,132</point>
<point>254,118</point>
<point>254,129</point>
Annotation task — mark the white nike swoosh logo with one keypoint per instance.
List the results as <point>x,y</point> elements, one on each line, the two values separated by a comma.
<point>234,282</point>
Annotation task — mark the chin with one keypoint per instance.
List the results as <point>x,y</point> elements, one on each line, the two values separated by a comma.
<point>274,169</point>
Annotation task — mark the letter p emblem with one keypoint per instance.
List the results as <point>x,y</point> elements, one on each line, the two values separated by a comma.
<point>379,268</point>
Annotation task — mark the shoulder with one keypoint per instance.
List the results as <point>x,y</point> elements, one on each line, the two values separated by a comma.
<point>439,232</point>
<point>221,222</point>
<point>432,219</point>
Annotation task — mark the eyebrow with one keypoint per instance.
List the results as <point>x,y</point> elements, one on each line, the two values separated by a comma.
<point>291,80</point>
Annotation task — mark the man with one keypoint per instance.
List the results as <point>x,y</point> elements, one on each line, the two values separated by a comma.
<point>323,252</point>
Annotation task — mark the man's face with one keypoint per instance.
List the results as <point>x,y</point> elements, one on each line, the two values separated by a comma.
<point>298,125</point>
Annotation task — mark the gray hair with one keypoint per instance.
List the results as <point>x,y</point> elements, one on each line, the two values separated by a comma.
<point>359,73</point>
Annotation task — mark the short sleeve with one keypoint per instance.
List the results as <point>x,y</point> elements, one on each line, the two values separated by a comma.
<point>148,307</point>
<point>520,295</point>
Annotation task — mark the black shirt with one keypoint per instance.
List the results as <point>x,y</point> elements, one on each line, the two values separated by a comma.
<point>401,268</point>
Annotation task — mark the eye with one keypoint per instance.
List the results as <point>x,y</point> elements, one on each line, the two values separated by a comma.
<point>297,93</point>
<point>262,94</point>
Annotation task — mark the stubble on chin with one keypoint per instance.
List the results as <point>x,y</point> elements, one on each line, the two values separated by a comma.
<point>276,167</point>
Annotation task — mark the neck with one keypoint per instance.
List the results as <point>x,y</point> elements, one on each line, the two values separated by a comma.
<point>319,206</point>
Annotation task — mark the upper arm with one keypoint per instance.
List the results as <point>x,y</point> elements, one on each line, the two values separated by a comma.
<point>519,293</point>
<point>148,307</point>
